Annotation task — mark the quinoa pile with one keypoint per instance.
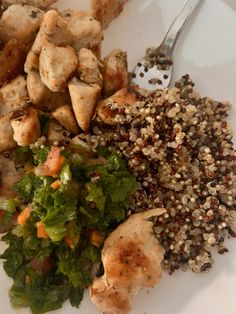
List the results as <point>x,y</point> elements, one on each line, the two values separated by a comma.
<point>179,147</point>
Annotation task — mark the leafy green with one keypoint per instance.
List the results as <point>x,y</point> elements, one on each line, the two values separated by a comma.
<point>91,197</point>
<point>25,186</point>
<point>66,174</point>
<point>13,255</point>
<point>77,264</point>
<point>40,154</point>
<point>9,205</point>
<point>97,196</point>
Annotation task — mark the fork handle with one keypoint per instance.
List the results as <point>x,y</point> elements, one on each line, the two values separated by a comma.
<point>175,29</point>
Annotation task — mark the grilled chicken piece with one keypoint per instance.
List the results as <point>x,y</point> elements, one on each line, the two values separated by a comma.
<point>53,29</point>
<point>31,62</point>
<point>35,3</point>
<point>13,95</point>
<point>26,126</point>
<point>106,10</point>
<point>29,18</point>
<point>56,65</point>
<point>56,133</point>
<point>132,259</point>
<point>8,175</point>
<point>12,59</point>
<point>6,133</point>
<point>84,99</point>
<point>115,72</point>
<point>89,67</point>
<point>108,108</point>
<point>86,31</point>
<point>41,96</point>
<point>65,116</point>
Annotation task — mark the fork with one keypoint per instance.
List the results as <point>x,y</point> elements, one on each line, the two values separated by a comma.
<point>154,71</point>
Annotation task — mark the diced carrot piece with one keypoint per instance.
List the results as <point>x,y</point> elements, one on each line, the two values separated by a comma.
<point>23,216</point>
<point>41,231</point>
<point>97,238</point>
<point>56,184</point>
<point>54,162</point>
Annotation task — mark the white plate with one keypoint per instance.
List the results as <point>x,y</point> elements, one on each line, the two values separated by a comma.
<point>207,51</point>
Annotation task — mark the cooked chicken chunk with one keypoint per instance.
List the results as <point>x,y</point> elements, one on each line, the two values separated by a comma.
<point>13,95</point>
<point>26,126</point>
<point>132,259</point>
<point>12,59</point>
<point>56,133</point>
<point>54,30</point>
<point>115,72</point>
<point>8,176</point>
<point>56,65</point>
<point>29,18</point>
<point>31,62</point>
<point>89,67</point>
<point>36,3</point>
<point>65,116</point>
<point>86,31</point>
<point>108,108</point>
<point>41,96</point>
<point>84,99</point>
<point>6,133</point>
<point>106,10</point>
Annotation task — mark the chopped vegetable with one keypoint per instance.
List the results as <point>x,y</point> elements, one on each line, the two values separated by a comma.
<point>41,231</point>
<point>24,215</point>
<point>56,184</point>
<point>97,238</point>
<point>55,249</point>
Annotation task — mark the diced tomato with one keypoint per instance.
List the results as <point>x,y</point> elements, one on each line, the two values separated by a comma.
<point>23,216</point>
<point>54,161</point>
<point>42,267</point>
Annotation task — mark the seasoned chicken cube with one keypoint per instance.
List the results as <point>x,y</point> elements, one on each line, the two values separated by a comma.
<point>54,30</point>
<point>13,95</point>
<point>8,176</point>
<point>56,66</point>
<point>106,10</point>
<point>12,59</point>
<point>84,99</point>
<point>42,97</point>
<point>36,3</point>
<point>89,67</point>
<point>86,31</point>
<point>6,133</point>
<point>115,72</point>
<point>108,108</point>
<point>20,22</point>
<point>31,62</point>
<point>26,126</point>
<point>65,116</point>
<point>132,259</point>
<point>56,133</point>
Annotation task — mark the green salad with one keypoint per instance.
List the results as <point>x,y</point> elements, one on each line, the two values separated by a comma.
<point>64,208</point>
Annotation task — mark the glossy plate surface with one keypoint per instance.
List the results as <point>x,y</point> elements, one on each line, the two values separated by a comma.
<point>207,51</point>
